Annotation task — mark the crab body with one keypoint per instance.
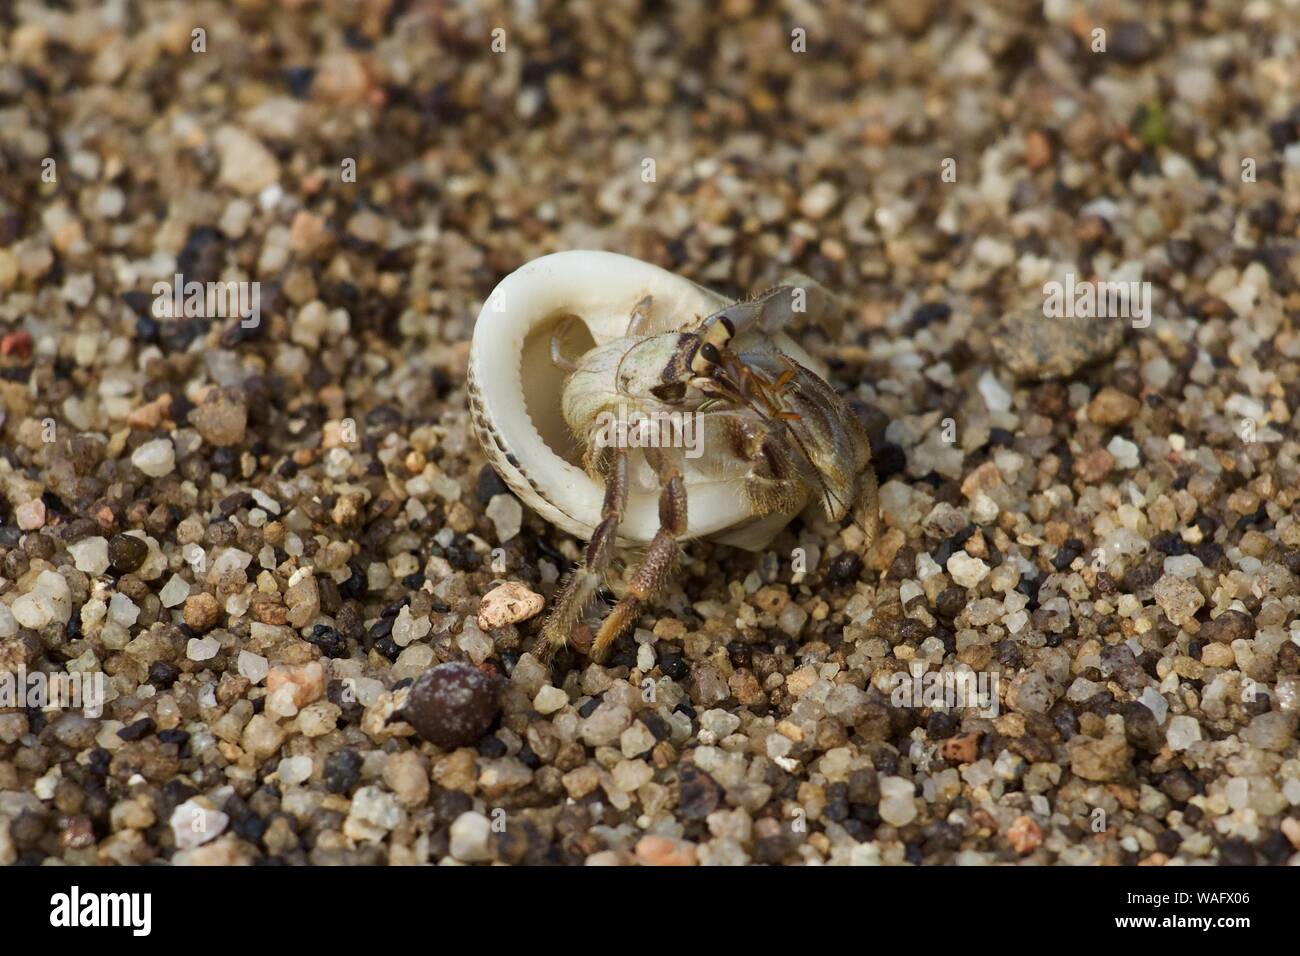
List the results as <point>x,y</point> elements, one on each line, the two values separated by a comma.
<point>702,418</point>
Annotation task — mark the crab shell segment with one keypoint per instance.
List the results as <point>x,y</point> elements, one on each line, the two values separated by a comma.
<point>515,392</point>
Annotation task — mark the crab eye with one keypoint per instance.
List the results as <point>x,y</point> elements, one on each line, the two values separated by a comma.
<point>671,393</point>
<point>706,358</point>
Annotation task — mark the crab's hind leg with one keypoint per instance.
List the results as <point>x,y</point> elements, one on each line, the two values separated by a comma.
<point>866,510</point>
<point>583,582</point>
<point>657,564</point>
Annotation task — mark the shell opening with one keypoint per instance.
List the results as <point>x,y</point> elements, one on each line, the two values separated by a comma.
<point>543,382</point>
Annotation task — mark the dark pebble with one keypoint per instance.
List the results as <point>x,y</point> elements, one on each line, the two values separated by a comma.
<point>1068,551</point>
<point>927,314</point>
<point>950,602</point>
<point>1170,543</point>
<point>1182,253</point>
<point>864,787</point>
<point>141,728</point>
<point>699,793</point>
<point>489,485</point>
<point>342,771</point>
<point>1236,852</point>
<point>940,726</point>
<point>1228,627</point>
<point>845,568</point>
<point>126,553</point>
<point>452,705</point>
<point>673,666</point>
<point>330,641</point>
<point>163,674</point>
<point>1132,42</point>
<point>888,460</point>
<point>657,726</point>
<point>449,804</point>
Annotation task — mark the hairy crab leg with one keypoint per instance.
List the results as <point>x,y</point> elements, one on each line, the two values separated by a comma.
<point>658,562</point>
<point>580,589</point>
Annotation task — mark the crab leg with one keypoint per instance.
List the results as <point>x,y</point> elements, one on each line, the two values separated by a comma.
<point>868,504</point>
<point>580,588</point>
<point>658,562</point>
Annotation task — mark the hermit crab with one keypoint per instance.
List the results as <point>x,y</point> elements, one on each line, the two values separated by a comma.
<point>635,409</point>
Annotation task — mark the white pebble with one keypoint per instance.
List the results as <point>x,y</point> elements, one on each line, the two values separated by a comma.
<point>294,770</point>
<point>90,555</point>
<point>202,648</point>
<point>506,514</point>
<point>1125,452</point>
<point>155,458</point>
<point>1182,732</point>
<point>1182,565</point>
<point>122,610</point>
<point>266,502</point>
<point>253,666</point>
<point>507,603</point>
<point>995,396</point>
<point>897,803</point>
<point>469,837</point>
<point>193,824</point>
<point>174,592</point>
<point>549,699</point>
<point>966,571</point>
<point>48,600</point>
<point>30,515</point>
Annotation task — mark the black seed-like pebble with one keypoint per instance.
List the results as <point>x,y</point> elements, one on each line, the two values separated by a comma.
<point>489,485</point>
<point>699,793</point>
<point>673,666</point>
<point>452,705</point>
<point>342,771</point>
<point>941,726</point>
<point>845,568</point>
<point>330,642</point>
<point>141,728</point>
<point>163,674</point>
<point>126,553</point>
<point>950,602</point>
<point>888,460</point>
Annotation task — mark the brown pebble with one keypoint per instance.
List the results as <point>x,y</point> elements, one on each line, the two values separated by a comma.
<point>452,705</point>
<point>508,603</point>
<point>1038,150</point>
<point>1111,407</point>
<point>201,611</point>
<point>665,851</point>
<point>963,749</point>
<point>1228,627</point>
<point>1094,466</point>
<point>1025,835</point>
<point>222,418</point>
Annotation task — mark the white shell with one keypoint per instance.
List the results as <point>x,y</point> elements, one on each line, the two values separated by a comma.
<point>515,392</point>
